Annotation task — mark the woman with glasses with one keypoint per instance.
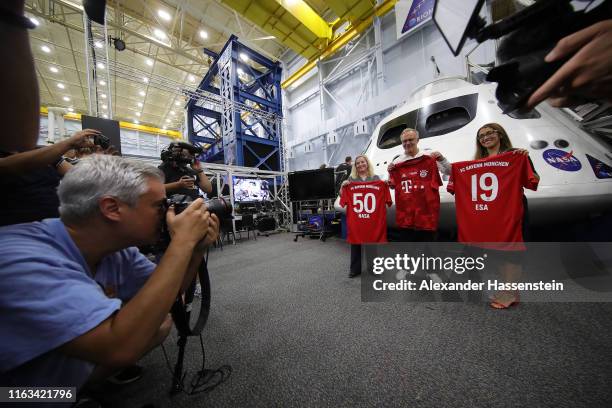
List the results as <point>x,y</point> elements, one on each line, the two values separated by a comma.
<point>491,140</point>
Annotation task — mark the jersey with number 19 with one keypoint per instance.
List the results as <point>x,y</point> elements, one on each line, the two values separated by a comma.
<point>366,211</point>
<point>489,198</point>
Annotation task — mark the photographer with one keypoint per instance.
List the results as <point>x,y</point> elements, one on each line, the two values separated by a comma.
<point>59,326</point>
<point>181,179</point>
<point>29,179</point>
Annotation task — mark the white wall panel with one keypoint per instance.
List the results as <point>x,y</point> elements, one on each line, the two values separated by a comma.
<point>407,65</point>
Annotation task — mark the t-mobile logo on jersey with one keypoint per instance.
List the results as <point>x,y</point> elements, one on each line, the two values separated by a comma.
<point>409,187</point>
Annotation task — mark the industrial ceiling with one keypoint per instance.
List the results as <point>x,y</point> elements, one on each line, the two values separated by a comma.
<point>166,38</point>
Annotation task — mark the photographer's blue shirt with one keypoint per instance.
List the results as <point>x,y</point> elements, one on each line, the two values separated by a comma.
<point>48,297</point>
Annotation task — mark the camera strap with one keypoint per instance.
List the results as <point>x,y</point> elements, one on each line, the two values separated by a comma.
<point>182,308</point>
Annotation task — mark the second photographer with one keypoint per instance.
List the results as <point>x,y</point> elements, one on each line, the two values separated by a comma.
<point>183,171</point>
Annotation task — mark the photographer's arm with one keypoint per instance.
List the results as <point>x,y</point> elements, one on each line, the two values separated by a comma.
<point>124,337</point>
<point>38,158</point>
<point>203,181</point>
<point>183,182</point>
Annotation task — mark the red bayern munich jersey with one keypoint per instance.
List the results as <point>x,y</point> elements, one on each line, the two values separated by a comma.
<point>417,200</point>
<point>489,198</point>
<point>366,211</point>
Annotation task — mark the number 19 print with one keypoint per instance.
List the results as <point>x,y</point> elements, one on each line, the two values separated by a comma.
<point>489,198</point>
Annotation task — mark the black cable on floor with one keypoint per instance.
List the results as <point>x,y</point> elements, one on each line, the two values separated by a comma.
<point>205,380</point>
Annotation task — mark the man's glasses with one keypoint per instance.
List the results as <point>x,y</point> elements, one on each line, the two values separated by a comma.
<point>489,133</point>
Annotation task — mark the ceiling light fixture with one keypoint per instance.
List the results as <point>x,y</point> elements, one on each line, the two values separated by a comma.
<point>45,49</point>
<point>103,96</point>
<point>102,83</point>
<point>140,104</point>
<point>159,34</point>
<point>105,116</point>
<point>105,106</point>
<point>54,70</point>
<point>70,109</point>
<point>61,86</point>
<point>136,121</point>
<point>67,99</point>
<point>164,15</point>
<point>142,93</point>
<point>149,62</point>
<point>145,80</point>
<point>191,78</point>
<point>100,65</point>
<point>138,114</point>
<point>177,103</point>
<point>172,112</point>
<point>98,44</point>
<point>203,34</point>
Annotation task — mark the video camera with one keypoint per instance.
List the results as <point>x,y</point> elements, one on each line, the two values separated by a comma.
<point>526,38</point>
<point>174,155</point>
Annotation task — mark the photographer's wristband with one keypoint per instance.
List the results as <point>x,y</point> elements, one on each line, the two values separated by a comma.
<point>59,162</point>
<point>8,17</point>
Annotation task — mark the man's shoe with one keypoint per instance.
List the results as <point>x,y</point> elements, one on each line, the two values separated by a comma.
<point>127,375</point>
<point>352,275</point>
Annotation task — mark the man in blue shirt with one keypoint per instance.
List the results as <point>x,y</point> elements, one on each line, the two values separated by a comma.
<point>77,299</point>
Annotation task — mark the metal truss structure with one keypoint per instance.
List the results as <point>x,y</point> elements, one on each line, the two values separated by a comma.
<point>177,56</point>
<point>245,129</point>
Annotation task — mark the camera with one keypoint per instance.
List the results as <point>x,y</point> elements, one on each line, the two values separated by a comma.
<point>102,141</point>
<point>181,155</point>
<point>526,38</point>
<point>218,206</point>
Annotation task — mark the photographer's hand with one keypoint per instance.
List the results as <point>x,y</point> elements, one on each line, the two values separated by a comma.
<point>190,226</point>
<point>212,234</point>
<point>185,182</point>
<point>587,74</point>
<point>82,138</point>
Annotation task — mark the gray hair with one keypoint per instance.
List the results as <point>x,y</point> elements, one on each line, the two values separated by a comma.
<point>410,130</point>
<point>100,175</point>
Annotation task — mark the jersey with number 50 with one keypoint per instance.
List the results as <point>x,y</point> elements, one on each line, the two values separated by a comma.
<point>366,211</point>
<point>488,198</point>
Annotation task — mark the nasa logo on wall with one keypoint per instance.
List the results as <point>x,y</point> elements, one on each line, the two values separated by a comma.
<point>423,173</point>
<point>561,160</point>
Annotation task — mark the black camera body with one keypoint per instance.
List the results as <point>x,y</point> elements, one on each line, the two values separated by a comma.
<point>218,206</point>
<point>102,141</point>
<point>526,37</point>
<point>521,52</point>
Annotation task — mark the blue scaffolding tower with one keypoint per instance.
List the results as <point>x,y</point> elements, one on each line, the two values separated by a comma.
<point>245,128</point>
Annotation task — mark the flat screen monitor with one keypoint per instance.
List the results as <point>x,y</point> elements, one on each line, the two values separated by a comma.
<point>249,190</point>
<point>312,185</point>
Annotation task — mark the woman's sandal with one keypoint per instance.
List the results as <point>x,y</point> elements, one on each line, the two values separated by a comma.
<point>504,300</point>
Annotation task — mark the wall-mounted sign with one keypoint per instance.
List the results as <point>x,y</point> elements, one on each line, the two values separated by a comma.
<point>410,15</point>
